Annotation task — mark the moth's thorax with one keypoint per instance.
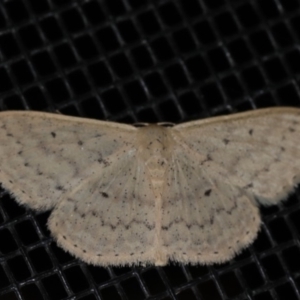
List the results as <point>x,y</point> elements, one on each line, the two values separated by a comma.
<point>154,141</point>
<point>155,151</point>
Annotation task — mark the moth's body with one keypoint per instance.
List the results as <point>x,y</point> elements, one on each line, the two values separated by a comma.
<point>155,150</point>
<point>126,195</point>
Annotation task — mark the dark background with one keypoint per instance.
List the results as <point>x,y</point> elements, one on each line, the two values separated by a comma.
<point>148,61</point>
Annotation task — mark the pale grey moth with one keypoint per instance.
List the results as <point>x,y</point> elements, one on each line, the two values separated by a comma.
<point>124,195</point>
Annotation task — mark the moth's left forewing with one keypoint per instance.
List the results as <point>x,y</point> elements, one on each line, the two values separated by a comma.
<point>44,156</point>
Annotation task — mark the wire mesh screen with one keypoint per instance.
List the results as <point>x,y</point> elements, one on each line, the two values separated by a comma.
<point>148,61</point>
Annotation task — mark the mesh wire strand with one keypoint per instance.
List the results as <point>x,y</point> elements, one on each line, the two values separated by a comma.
<point>148,61</point>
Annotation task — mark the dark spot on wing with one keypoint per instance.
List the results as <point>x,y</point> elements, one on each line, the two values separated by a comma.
<point>250,185</point>
<point>53,134</point>
<point>226,141</point>
<point>105,195</point>
<point>208,158</point>
<point>291,129</point>
<point>207,192</point>
<point>103,161</point>
<point>251,131</point>
<point>80,143</point>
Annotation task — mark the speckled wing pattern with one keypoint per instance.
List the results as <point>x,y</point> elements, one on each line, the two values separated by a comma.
<point>111,216</point>
<point>42,156</point>
<point>125,195</point>
<point>204,218</point>
<point>258,151</point>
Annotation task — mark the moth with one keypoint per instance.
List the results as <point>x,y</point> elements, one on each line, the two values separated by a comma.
<point>126,195</point>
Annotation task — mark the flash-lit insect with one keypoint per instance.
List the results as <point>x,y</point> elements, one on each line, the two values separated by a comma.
<point>135,195</point>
